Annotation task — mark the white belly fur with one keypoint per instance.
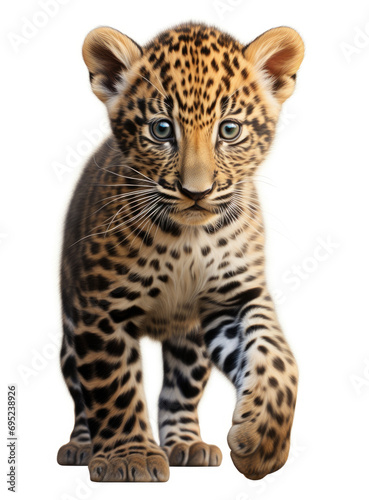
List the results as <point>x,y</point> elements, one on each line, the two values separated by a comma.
<point>176,308</point>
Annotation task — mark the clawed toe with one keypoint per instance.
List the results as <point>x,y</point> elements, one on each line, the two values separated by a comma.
<point>197,454</point>
<point>74,453</point>
<point>133,468</point>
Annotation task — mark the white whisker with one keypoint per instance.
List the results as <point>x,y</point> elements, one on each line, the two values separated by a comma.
<point>125,207</point>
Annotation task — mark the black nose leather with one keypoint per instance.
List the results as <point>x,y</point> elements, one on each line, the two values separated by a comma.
<point>195,195</point>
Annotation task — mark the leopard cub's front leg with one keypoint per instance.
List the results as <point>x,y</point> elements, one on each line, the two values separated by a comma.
<point>249,347</point>
<point>262,420</point>
<point>110,374</point>
<point>186,372</point>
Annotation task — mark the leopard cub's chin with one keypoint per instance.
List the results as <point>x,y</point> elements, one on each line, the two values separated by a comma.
<point>194,217</point>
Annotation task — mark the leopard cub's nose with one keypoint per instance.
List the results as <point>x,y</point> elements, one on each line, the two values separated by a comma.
<point>195,195</point>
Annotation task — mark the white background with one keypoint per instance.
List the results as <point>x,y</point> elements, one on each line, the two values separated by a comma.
<point>314,188</point>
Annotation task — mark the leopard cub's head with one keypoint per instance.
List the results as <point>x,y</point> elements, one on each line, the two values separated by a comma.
<point>194,111</point>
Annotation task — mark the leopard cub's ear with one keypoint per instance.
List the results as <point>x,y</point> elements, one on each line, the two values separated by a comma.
<point>278,54</point>
<point>108,54</point>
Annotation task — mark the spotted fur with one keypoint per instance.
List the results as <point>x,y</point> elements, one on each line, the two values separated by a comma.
<point>165,238</point>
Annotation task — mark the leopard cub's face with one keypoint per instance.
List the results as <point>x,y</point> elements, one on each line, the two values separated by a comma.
<point>194,112</point>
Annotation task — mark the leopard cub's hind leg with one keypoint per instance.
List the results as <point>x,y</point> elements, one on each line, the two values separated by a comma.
<point>78,450</point>
<point>186,372</point>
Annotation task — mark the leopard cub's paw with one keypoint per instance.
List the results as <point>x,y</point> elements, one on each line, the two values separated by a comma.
<point>260,436</point>
<point>147,464</point>
<point>256,455</point>
<point>194,454</point>
<point>74,453</point>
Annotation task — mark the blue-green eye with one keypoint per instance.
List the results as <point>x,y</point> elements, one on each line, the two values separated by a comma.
<point>229,130</point>
<point>162,130</point>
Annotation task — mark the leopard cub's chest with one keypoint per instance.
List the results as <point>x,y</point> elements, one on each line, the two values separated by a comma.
<point>184,272</point>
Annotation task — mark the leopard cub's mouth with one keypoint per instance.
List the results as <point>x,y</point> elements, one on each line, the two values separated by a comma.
<point>196,207</point>
<point>193,215</point>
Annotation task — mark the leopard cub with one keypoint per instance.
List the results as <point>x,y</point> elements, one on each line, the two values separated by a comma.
<point>164,237</point>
